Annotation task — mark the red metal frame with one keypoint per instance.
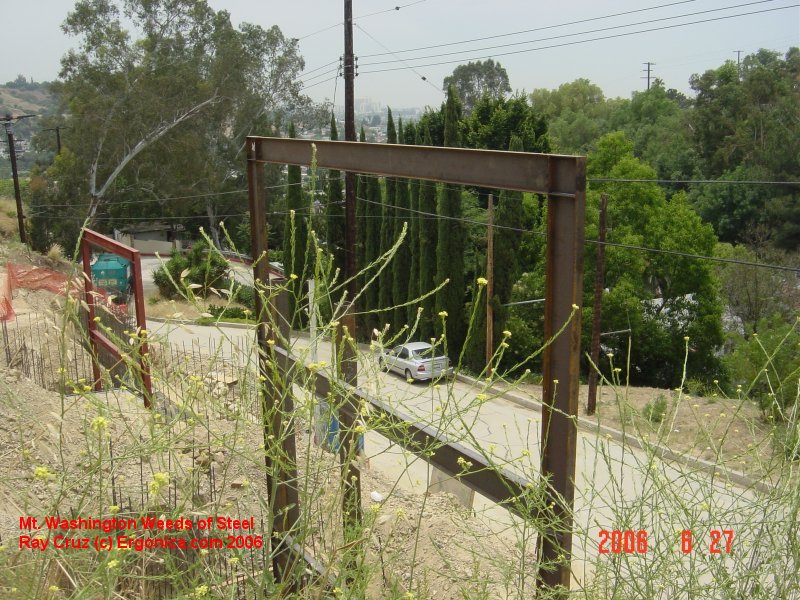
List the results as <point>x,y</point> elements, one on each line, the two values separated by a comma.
<point>96,338</point>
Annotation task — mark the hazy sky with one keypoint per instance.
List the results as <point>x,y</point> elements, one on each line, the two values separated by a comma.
<point>33,43</point>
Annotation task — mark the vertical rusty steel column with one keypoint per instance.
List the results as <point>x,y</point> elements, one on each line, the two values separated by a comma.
<point>277,407</point>
<point>141,320</point>
<point>564,290</point>
<point>91,325</point>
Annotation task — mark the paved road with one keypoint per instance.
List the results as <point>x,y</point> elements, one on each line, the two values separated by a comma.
<point>609,475</point>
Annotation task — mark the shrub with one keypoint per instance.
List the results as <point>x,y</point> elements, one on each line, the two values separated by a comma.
<point>207,268</point>
<point>230,312</point>
<point>244,294</point>
<point>767,366</point>
<point>655,410</point>
<point>168,276</point>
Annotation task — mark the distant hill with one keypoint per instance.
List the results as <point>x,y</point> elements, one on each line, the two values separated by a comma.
<point>22,96</point>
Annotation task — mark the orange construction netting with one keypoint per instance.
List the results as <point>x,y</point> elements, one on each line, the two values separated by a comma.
<point>30,278</point>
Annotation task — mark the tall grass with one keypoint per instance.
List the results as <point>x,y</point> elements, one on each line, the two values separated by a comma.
<point>200,452</point>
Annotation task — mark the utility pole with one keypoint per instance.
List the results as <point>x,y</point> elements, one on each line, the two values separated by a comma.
<point>12,152</point>
<point>647,70</point>
<point>346,331</point>
<point>739,63</point>
<point>57,129</point>
<point>490,281</point>
<point>597,311</point>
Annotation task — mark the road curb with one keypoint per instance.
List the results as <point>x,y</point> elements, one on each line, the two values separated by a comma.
<point>196,324</point>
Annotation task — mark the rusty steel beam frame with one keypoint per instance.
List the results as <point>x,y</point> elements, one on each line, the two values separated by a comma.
<point>90,238</point>
<point>499,485</point>
<point>563,180</point>
<point>276,402</point>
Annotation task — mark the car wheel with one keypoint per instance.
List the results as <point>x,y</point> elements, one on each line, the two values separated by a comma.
<point>408,376</point>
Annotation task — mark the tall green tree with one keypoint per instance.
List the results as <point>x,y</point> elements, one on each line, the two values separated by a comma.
<point>509,219</point>
<point>494,121</point>
<point>401,265</point>
<point>295,238</point>
<point>477,80</point>
<point>412,137</point>
<point>427,237</point>
<point>662,298</point>
<point>161,94</point>
<point>451,241</point>
<point>334,213</point>
<point>361,207</point>
<point>386,279</point>
<point>373,217</point>
<point>361,250</point>
<point>746,128</point>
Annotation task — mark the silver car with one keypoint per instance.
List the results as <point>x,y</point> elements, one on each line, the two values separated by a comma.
<point>418,361</point>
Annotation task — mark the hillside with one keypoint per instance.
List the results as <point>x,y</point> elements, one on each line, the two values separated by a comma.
<point>18,98</point>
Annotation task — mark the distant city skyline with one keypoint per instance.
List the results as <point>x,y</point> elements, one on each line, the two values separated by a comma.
<point>607,43</point>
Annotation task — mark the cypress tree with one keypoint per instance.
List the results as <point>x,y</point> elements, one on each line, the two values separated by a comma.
<point>428,232</point>
<point>361,207</point>
<point>372,249</point>
<point>361,211</point>
<point>475,351</point>
<point>295,240</point>
<point>386,279</point>
<point>412,138</point>
<point>334,212</point>
<point>509,213</point>
<point>451,242</point>
<point>401,264</point>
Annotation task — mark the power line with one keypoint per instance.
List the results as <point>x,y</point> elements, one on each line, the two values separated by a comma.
<point>568,35</point>
<point>614,244</point>
<point>501,35</point>
<point>307,87</point>
<point>417,73</point>
<point>717,259</point>
<point>372,14</point>
<point>577,42</point>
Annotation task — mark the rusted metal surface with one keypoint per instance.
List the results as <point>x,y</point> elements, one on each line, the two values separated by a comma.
<point>91,239</point>
<point>522,171</point>
<point>563,179</point>
<point>561,378</point>
<point>280,455</point>
<point>495,483</point>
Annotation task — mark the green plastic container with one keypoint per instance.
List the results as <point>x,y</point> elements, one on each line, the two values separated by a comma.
<point>113,274</point>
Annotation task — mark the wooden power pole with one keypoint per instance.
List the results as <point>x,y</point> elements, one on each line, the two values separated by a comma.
<point>597,310</point>
<point>346,331</point>
<point>12,152</point>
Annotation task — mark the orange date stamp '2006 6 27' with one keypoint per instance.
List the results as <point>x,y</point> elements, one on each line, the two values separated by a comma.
<point>629,541</point>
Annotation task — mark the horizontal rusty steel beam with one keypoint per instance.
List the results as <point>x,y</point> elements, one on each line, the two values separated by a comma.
<point>552,174</point>
<point>495,483</point>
